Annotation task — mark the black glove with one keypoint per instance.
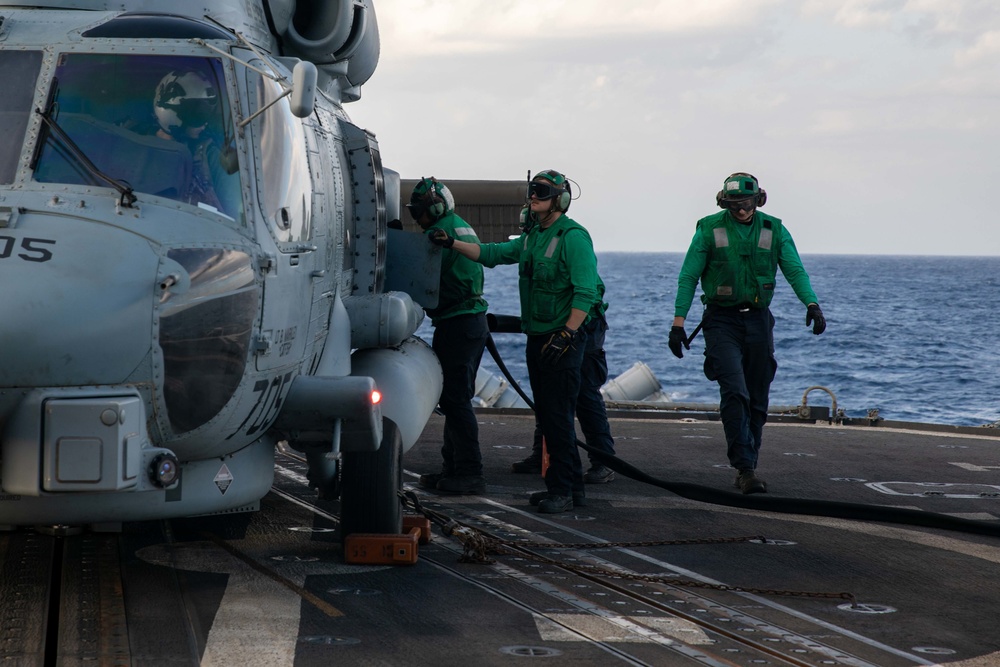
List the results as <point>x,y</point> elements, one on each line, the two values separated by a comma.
<point>441,238</point>
<point>814,316</point>
<point>558,344</point>
<point>677,338</point>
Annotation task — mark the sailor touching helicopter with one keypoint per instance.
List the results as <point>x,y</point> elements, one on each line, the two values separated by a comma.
<point>561,297</point>
<point>460,333</point>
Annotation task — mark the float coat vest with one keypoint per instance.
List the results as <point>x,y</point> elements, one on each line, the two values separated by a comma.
<point>557,272</point>
<point>740,269</point>
<point>461,286</point>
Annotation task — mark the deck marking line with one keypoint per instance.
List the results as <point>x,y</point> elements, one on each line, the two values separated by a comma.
<point>973,467</point>
<point>698,577</point>
<point>322,605</point>
<point>676,628</point>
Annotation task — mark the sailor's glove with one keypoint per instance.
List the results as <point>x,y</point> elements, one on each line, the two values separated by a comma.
<point>441,238</point>
<point>677,338</point>
<point>558,344</point>
<point>814,316</point>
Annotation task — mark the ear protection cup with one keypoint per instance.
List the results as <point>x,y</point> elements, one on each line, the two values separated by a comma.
<point>718,200</point>
<point>436,209</point>
<point>559,180</point>
<point>761,198</point>
<point>564,199</point>
<point>435,204</point>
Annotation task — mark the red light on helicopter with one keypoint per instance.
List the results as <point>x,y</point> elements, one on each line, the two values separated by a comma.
<point>376,397</point>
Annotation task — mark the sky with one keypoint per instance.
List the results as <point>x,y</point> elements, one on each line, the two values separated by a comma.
<point>873,125</point>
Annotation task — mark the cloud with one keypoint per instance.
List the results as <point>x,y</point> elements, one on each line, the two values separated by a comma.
<point>855,13</point>
<point>425,27</point>
<point>985,50</point>
<point>858,92</point>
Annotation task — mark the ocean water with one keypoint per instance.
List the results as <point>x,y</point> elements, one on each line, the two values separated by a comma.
<point>914,337</point>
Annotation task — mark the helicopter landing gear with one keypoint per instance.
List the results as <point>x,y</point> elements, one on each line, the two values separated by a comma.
<point>369,485</point>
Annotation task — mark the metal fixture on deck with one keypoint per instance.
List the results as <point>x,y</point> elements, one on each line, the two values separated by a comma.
<point>805,412</point>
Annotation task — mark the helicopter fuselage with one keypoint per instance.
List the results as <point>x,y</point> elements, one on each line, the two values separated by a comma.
<point>193,270</point>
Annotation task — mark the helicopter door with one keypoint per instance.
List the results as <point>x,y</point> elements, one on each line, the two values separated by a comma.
<point>284,194</point>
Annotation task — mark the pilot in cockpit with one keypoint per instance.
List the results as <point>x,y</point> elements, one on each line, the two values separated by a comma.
<point>187,109</point>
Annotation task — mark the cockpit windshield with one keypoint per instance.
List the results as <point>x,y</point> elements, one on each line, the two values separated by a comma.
<point>160,124</point>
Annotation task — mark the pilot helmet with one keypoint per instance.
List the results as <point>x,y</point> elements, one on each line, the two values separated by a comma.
<point>740,188</point>
<point>184,101</point>
<point>430,196</point>
<point>551,184</point>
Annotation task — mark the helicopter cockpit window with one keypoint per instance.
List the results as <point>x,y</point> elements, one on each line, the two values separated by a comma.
<point>159,124</point>
<point>285,183</point>
<point>20,70</point>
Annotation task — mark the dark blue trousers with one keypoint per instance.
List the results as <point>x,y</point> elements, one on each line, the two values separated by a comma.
<point>739,355</point>
<point>590,409</point>
<point>555,390</point>
<point>459,343</point>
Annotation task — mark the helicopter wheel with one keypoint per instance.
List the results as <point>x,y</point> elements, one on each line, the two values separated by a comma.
<point>369,485</point>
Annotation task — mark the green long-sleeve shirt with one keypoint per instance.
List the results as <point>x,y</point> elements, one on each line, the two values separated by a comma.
<point>557,271</point>
<point>461,287</point>
<point>721,244</point>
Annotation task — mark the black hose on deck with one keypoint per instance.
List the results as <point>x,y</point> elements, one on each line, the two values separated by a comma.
<point>764,503</point>
<point>808,506</point>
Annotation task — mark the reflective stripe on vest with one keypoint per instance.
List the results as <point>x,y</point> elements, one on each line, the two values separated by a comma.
<point>765,238</point>
<point>722,241</point>
<point>722,238</point>
<point>553,244</point>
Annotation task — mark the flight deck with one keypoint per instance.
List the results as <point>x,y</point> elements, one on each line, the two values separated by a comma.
<point>639,576</point>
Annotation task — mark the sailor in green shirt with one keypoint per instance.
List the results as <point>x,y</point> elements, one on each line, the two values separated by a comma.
<point>460,333</point>
<point>735,255</point>
<point>559,290</point>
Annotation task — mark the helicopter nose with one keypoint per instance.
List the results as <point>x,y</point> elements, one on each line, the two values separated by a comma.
<point>78,301</point>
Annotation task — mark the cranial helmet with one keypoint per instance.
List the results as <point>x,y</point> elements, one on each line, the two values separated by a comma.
<point>739,187</point>
<point>551,184</point>
<point>184,100</point>
<point>431,196</point>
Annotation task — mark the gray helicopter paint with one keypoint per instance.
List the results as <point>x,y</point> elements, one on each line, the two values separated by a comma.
<point>120,297</point>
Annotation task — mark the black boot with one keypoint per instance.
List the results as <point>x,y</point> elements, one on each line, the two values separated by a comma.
<point>532,464</point>
<point>579,500</point>
<point>555,504</point>
<point>748,482</point>
<point>462,484</point>
<point>598,474</point>
<point>431,479</point>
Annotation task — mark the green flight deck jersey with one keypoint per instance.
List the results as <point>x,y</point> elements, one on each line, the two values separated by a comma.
<point>557,271</point>
<point>461,290</point>
<point>737,264</point>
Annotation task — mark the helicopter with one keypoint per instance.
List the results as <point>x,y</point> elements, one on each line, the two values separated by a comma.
<point>195,264</point>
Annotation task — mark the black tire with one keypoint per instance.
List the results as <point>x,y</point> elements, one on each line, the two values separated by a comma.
<point>370,482</point>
